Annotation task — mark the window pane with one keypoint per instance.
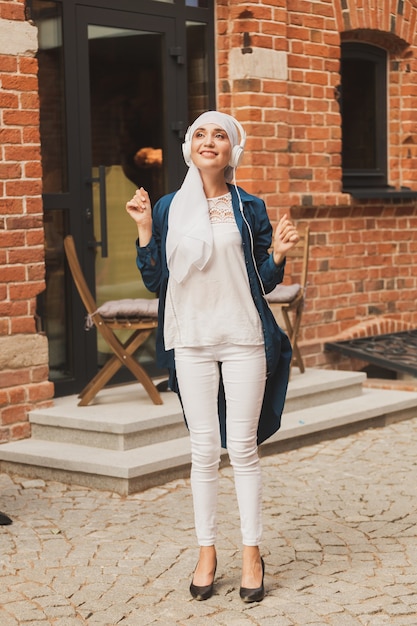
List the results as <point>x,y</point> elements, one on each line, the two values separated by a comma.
<point>48,18</point>
<point>201,4</point>
<point>197,69</point>
<point>359,114</point>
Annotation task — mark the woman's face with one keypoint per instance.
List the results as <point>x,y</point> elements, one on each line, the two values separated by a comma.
<point>210,148</point>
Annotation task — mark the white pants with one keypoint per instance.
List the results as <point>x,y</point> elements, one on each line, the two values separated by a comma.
<point>244,376</point>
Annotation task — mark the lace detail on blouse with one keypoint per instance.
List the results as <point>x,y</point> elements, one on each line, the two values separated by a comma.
<point>221,209</point>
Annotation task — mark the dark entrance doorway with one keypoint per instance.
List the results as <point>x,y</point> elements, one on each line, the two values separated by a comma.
<point>117,90</point>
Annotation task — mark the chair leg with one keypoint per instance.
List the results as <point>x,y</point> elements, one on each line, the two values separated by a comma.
<point>296,328</point>
<point>122,357</point>
<point>114,363</point>
<point>124,353</point>
<point>292,330</point>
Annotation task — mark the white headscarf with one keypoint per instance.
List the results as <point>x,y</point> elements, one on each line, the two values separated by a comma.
<point>190,238</point>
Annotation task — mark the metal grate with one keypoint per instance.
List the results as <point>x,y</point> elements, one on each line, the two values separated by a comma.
<point>393,351</point>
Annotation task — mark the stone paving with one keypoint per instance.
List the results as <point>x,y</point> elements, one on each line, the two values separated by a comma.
<point>340,545</point>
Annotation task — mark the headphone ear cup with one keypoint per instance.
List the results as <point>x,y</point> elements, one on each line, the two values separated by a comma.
<point>237,152</point>
<point>186,147</point>
<point>186,151</point>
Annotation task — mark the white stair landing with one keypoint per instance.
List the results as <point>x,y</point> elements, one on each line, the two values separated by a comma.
<point>124,443</point>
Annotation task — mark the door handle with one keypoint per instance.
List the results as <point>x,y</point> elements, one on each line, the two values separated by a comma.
<point>101,180</point>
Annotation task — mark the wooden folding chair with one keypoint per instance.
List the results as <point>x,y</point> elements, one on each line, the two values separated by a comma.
<point>141,326</point>
<point>289,299</point>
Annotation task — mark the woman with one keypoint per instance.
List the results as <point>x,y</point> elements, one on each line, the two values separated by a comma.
<point>205,251</point>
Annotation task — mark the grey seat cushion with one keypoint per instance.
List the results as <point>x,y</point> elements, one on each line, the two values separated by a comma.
<point>283,293</point>
<point>127,308</point>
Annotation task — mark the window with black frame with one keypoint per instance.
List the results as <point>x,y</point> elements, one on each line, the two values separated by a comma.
<point>364,116</point>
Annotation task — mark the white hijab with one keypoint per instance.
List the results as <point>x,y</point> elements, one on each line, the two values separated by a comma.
<point>190,239</point>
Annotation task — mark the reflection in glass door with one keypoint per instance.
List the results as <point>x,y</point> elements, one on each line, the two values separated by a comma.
<point>127,150</point>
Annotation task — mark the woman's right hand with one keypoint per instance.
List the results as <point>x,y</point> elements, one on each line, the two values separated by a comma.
<point>139,207</point>
<point>140,210</point>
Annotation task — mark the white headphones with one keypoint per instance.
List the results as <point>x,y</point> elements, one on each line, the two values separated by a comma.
<point>237,151</point>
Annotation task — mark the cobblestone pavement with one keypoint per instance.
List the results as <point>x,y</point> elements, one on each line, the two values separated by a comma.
<point>340,545</point>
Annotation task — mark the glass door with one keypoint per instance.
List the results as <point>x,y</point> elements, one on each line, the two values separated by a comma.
<point>126,140</point>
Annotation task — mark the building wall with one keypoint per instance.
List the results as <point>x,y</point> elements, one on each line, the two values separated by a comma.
<point>23,351</point>
<point>277,71</point>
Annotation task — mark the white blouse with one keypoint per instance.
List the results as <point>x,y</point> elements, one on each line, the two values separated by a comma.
<point>214,305</point>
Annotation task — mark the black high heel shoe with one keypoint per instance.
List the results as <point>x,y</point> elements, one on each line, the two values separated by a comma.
<point>203,592</point>
<point>254,595</point>
<point>4,519</point>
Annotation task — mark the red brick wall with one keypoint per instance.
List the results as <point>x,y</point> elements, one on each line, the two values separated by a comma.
<point>363,253</point>
<point>23,352</point>
<point>362,266</point>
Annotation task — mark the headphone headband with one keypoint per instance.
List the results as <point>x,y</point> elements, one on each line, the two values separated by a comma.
<point>237,151</point>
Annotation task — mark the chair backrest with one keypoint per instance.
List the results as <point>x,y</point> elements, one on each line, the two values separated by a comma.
<point>297,259</point>
<point>78,276</point>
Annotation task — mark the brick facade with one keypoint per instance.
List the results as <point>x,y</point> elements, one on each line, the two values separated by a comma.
<point>363,252</point>
<point>23,351</point>
<point>277,71</point>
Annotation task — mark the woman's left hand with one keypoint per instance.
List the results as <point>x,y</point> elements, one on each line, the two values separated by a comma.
<point>286,237</point>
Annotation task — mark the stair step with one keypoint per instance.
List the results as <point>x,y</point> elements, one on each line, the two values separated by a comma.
<point>371,404</point>
<point>317,387</point>
<point>85,459</point>
<point>120,421</point>
<point>124,472</point>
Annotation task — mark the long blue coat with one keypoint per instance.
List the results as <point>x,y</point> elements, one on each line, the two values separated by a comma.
<point>151,261</point>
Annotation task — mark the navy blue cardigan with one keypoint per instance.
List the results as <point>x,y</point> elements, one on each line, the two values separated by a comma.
<point>151,261</point>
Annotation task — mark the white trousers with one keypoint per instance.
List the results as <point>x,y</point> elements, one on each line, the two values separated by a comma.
<point>244,377</point>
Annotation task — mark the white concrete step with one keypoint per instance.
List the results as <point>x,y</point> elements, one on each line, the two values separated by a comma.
<point>128,471</point>
<point>373,408</point>
<point>317,387</point>
<point>122,418</point>
<point>123,471</point>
